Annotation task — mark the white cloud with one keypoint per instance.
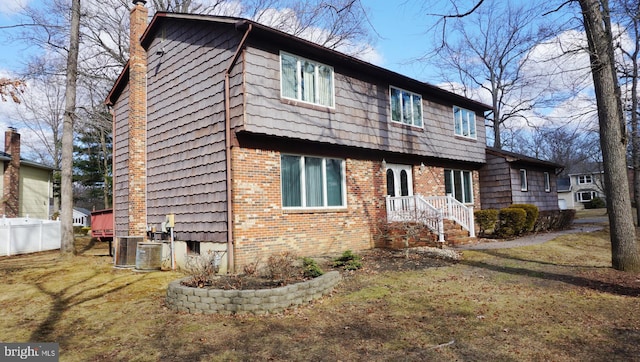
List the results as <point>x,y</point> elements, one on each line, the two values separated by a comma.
<point>10,7</point>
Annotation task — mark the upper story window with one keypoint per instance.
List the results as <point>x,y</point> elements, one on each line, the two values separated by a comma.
<point>406,107</point>
<point>312,182</point>
<point>305,80</point>
<point>585,179</point>
<point>464,122</point>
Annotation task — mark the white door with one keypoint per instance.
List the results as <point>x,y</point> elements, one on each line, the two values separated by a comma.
<point>399,180</point>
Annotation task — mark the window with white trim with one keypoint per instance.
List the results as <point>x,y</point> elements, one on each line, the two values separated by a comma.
<point>458,184</point>
<point>305,80</point>
<point>585,179</point>
<point>524,185</point>
<point>585,196</point>
<point>547,182</point>
<point>406,107</point>
<point>312,182</point>
<point>464,122</point>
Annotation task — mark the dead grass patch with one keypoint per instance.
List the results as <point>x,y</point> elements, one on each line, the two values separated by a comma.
<point>556,301</point>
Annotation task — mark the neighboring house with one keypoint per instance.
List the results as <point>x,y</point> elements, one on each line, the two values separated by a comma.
<point>510,178</point>
<point>26,186</point>
<point>81,217</point>
<point>259,142</point>
<point>583,186</point>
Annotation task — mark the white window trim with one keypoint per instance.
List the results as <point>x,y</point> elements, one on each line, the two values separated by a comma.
<point>593,194</point>
<point>299,77</point>
<point>303,186</point>
<point>475,136</point>
<point>524,186</point>
<point>581,177</point>
<point>452,177</point>
<point>547,182</point>
<point>421,126</point>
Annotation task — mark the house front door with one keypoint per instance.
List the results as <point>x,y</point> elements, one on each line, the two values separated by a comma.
<point>399,180</point>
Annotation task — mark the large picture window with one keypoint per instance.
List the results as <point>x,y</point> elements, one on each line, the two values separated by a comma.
<point>406,107</point>
<point>458,184</point>
<point>585,196</point>
<point>464,122</point>
<point>312,182</point>
<point>306,80</point>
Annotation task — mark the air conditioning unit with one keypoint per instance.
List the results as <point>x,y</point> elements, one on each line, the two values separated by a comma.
<point>125,251</point>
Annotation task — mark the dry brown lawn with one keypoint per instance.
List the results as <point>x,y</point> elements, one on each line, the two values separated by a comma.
<point>558,301</point>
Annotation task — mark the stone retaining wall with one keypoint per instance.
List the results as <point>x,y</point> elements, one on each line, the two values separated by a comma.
<point>260,301</point>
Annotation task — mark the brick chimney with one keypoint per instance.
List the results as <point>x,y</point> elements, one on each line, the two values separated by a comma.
<point>11,190</point>
<point>137,162</point>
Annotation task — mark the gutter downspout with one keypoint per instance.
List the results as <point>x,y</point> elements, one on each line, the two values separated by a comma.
<point>227,131</point>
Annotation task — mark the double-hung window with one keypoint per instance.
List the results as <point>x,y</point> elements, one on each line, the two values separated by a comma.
<point>406,107</point>
<point>585,179</point>
<point>305,80</point>
<point>312,182</point>
<point>458,184</point>
<point>464,122</point>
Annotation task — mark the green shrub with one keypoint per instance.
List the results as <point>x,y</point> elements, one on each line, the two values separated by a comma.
<point>311,268</point>
<point>512,222</point>
<point>486,219</point>
<point>348,261</point>
<point>532,215</point>
<point>595,203</point>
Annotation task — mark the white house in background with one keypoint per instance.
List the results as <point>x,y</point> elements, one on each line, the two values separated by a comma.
<point>578,189</point>
<point>81,217</point>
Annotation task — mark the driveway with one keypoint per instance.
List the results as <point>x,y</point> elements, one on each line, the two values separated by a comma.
<point>585,225</point>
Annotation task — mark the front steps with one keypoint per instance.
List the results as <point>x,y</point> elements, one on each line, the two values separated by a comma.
<point>393,235</point>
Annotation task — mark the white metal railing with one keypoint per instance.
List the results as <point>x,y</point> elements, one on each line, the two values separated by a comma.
<point>415,209</point>
<point>25,235</point>
<point>431,211</point>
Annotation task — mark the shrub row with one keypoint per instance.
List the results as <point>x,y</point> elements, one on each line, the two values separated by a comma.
<point>519,219</point>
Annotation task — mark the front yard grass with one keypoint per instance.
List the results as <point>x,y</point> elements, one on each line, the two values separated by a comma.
<point>556,301</point>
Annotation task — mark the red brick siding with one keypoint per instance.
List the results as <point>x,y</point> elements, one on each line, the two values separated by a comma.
<point>429,181</point>
<point>11,192</point>
<point>137,124</point>
<point>263,227</point>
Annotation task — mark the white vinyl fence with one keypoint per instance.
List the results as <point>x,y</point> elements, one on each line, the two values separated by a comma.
<point>24,235</point>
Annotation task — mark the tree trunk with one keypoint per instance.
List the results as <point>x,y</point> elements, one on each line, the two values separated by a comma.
<point>66,213</point>
<point>613,139</point>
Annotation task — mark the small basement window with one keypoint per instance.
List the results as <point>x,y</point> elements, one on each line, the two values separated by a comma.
<point>193,247</point>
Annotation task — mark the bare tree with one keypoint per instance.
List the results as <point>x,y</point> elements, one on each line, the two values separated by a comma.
<point>628,12</point>
<point>66,214</point>
<point>41,111</point>
<point>596,18</point>
<point>489,50</point>
<point>613,138</point>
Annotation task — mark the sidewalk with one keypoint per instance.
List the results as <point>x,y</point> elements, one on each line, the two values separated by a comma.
<point>579,226</point>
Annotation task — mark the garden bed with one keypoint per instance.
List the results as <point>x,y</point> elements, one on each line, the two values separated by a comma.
<point>256,301</point>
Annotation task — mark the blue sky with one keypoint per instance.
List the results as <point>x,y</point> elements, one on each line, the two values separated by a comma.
<point>396,26</point>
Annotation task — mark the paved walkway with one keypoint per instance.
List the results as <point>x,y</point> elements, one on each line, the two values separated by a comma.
<point>579,226</point>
